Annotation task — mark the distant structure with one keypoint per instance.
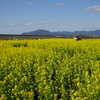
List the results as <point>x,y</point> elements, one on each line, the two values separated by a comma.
<point>16,39</point>
<point>77,37</point>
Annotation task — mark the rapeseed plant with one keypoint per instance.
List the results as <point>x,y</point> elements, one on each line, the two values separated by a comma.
<point>50,69</point>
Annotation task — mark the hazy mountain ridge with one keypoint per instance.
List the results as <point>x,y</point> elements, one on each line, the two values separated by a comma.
<point>63,33</point>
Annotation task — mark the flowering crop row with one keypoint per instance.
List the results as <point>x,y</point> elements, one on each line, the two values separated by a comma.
<point>50,69</point>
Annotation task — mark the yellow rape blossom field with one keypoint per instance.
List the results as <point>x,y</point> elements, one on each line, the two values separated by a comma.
<point>50,69</point>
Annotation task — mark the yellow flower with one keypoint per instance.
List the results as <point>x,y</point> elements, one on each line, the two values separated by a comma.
<point>18,99</point>
<point>55,95</point>
<point>15,87</point>
<point>79,84</point>
<point>76,93</point>
<point>89,86</point>
<point>47,87</point>
<point>87,73</point>
<point>31,95</point>
<point>45,81</point>
<point>78,98</point>
<point>3,97</point>
<point>97,87</point>
<point>86,98</point>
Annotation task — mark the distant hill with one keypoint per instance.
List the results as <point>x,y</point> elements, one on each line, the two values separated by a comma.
<point>62,33</point>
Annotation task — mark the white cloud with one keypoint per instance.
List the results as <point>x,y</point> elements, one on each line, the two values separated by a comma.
<point>59,4</point>
<point>32,3</point>
<point>88,27</point>
<point>82,27</point>
<point>68,21</point>
<point>46,24</point>
<point>13,24</point>
<point>95,8</point>
<point>29,24</point>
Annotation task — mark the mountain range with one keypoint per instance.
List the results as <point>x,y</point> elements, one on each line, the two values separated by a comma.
<point>63,33</point>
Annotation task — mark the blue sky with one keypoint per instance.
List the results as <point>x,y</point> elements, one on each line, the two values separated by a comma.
<point>18,16</point>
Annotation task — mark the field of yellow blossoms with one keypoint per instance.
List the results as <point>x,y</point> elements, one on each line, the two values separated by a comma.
<point>50,69</point>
